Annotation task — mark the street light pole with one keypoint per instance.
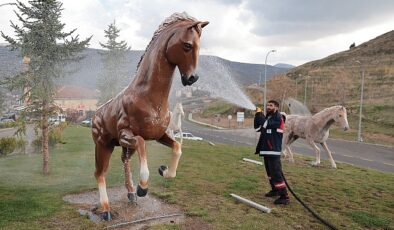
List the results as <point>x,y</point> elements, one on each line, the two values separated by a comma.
<point>306,85</point>
<point>265,81</point>
<point>359,138</point>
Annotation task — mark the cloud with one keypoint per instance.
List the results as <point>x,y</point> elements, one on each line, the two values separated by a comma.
<point>239,30</point>
<point>296,21</point>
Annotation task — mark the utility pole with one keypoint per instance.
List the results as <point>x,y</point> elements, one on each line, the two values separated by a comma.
<point>265,81</point>
<point>306,85</point>
<point>359,138</point>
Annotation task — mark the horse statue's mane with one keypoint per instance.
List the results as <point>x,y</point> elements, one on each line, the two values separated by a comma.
<point>325,110</point>
<point>174,18</point>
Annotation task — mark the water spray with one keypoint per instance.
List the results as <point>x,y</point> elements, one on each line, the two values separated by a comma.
<point>215,79</point>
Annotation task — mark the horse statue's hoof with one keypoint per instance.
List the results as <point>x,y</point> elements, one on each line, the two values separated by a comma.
<point>315,164</point>
<point>107,216</point>
<point>141,192</point>
<point>132,197</point>
<point>162,168</point>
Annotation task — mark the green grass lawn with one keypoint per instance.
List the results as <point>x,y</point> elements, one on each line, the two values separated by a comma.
<point>350,197</point>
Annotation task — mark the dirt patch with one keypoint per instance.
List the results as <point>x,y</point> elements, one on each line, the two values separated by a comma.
<point>123,211</point>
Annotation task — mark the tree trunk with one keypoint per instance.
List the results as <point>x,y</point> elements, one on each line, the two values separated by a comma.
<point>45,138</point>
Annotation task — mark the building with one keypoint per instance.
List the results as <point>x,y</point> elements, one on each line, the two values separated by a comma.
<point>76,98</point>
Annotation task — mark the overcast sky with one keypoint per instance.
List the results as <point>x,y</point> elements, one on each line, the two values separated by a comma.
<point>239,30</point>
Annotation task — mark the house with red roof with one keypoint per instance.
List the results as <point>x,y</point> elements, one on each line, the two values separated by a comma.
<point>76,98</point>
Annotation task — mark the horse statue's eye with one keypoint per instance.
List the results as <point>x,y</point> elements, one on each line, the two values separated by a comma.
<point>187,46</point>
<point>340,115</point>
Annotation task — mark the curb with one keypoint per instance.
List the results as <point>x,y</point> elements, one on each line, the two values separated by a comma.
<point>190,118</point>
<point>365,143</point>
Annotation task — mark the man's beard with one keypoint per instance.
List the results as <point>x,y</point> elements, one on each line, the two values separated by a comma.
<point>270,112</point>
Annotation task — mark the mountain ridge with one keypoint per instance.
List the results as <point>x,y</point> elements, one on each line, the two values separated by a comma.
<point>86,71</point>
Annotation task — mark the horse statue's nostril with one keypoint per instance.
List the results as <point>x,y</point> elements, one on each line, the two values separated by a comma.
<point>188,81</point>
<point>184,80</point>
<point>192,79</point>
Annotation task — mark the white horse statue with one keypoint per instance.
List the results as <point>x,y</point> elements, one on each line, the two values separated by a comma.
<point>176,120</point>
<point>315,129</point>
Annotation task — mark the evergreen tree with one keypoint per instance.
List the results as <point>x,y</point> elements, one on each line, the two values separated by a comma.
<point>114,76</point>
<point>46,50</point>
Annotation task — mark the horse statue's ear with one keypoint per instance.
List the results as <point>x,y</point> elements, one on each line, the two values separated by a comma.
<point>193,25</point>
<point>198,25</point>
<point>203,24</point>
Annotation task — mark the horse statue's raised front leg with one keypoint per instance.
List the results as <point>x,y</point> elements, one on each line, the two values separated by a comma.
<point>128,140</point>
<point>176,154</point>
<point>131,191</point>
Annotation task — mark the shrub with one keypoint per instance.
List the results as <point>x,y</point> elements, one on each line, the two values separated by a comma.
<point>54,135</point>
<point>7,125</point>
<point>21,145</point>
<point>7,145</point>
<point>10,144</point>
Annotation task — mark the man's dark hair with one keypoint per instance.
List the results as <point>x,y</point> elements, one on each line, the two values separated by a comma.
<point>274,102</point>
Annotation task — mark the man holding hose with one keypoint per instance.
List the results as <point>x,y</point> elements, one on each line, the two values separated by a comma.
<point>270,147</point>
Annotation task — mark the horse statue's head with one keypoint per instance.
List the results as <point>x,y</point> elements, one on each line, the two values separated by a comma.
<point>341,117</point>
<point>183,48</point>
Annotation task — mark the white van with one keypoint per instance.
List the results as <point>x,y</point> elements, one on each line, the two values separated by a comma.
<point>56,119</point>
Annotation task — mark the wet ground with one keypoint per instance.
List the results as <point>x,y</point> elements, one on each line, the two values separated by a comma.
<point>147,207</point>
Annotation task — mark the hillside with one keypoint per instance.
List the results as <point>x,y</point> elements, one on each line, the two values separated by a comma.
<point>85,72</point>
<point>337,78</point>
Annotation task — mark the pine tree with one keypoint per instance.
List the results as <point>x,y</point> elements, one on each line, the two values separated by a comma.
<point>46,50</point>
<point>114,76</point>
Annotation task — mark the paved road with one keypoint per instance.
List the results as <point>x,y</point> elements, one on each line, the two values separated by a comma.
<point>360,154</point>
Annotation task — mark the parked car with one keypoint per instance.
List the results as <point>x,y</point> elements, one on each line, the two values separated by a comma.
<point>56,119</point>
<point>6,120</point>
<point>188,136</point>
<point>87,122</point>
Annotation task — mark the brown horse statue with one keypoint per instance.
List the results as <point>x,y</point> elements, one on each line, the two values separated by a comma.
<point>140,112</point>
<point>314,129</point>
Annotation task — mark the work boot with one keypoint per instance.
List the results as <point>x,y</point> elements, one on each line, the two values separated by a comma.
<point>272,193</point>
<point>282,200</point>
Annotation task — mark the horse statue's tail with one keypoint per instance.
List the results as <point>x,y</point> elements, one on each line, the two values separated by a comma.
<point>284,115</point>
